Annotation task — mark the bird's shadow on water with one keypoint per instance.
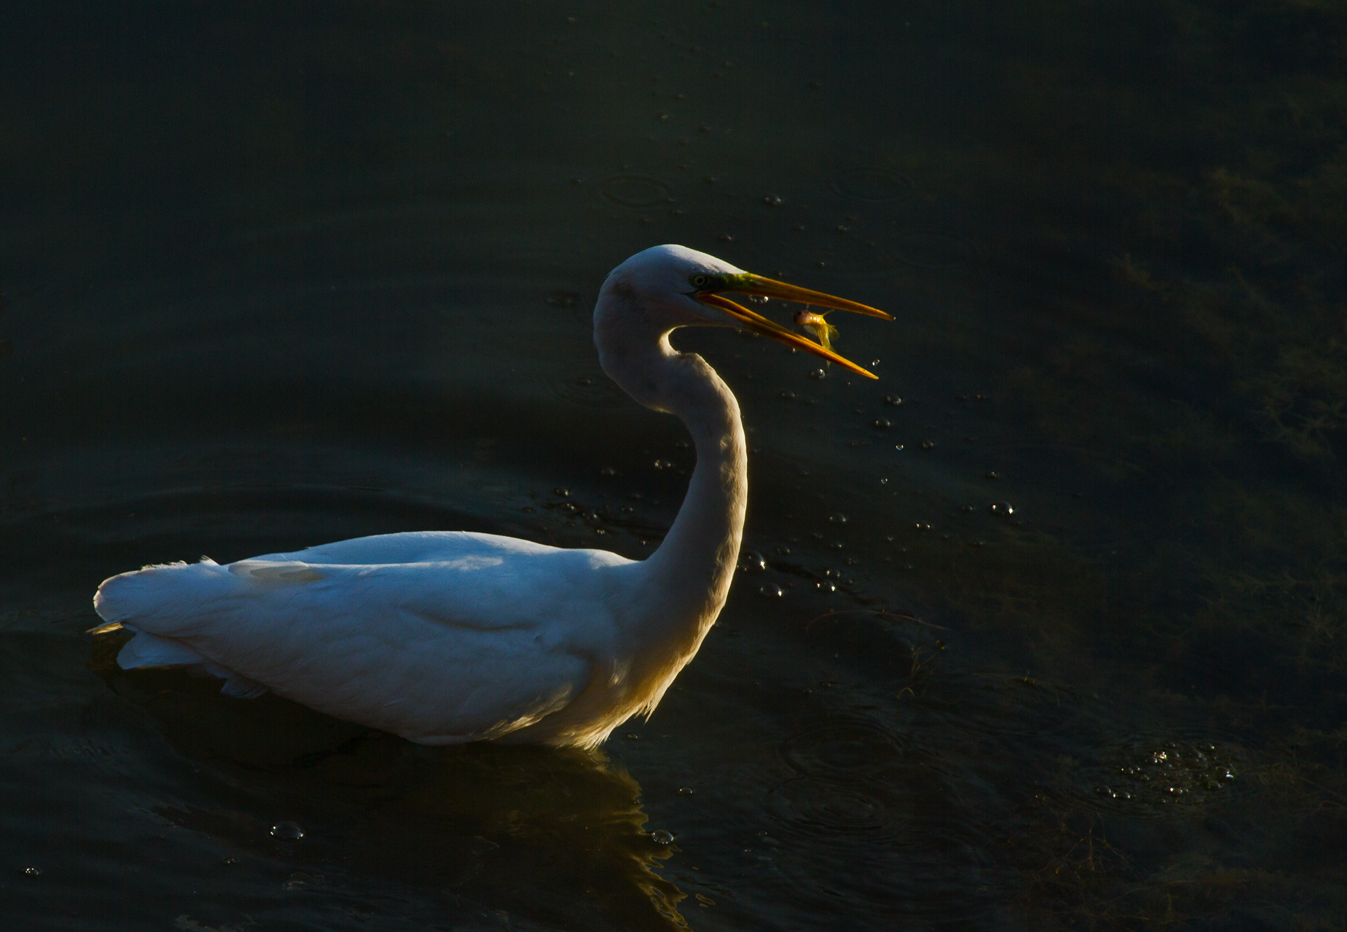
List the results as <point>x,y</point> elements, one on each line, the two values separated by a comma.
<point>554,836</point>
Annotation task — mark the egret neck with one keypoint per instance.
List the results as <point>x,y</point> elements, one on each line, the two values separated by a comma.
<point>688,578</point>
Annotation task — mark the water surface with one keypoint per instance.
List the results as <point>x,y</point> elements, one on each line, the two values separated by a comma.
<point>1042,629</point>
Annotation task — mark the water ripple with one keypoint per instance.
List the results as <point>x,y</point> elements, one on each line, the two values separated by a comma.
<point>844,748</point>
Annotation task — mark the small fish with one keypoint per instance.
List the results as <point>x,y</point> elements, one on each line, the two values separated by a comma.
<point>822,330</point>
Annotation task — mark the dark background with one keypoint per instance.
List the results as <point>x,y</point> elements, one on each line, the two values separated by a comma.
<point>275,275</point>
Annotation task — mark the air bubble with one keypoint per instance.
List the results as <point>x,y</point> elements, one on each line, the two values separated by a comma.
<point>817,374</point>
<point>287,831</point>
<point>751,562</point>
<point>1005,510</point>
<point>881,423</point>
<point>771,592</point>
<point>661,837</point>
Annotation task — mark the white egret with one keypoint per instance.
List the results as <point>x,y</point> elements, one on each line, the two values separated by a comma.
<point>445,637</point>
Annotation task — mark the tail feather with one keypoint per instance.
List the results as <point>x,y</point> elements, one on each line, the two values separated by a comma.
<point>146,592</point>
<point>150,604</point>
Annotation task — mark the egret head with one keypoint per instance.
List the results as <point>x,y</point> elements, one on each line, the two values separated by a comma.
<point>679,287</point>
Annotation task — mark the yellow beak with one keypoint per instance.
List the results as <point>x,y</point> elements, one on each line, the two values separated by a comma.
<point>751,320</point>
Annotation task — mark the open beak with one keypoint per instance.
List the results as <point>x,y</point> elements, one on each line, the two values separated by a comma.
<point>751,320</point>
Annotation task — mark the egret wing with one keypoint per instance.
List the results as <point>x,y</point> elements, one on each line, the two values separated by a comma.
<point>438,653</point>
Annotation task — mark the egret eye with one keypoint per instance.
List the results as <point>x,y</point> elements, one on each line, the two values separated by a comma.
<point>699,281</point>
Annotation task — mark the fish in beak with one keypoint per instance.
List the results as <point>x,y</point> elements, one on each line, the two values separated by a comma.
<point>709,291</point>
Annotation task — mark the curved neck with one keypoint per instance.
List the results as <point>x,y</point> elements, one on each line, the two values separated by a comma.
<point>695,563</point>
<point>689,575</point>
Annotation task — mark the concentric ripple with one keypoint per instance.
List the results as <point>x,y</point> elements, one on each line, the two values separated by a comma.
<point>839,813</point>
<point>841,749</point>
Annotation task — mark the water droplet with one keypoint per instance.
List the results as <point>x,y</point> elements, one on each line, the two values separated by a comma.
<point>881,423</point>
<point>1005,510</point>
<point>564,493</point>
<point>750,561</point>
<point>31,871</point>
<point>632,736</point>
<point>584,381</point>
<point>817,374</point>
<point>663,464</point>
<point>787,396</point>
<point>287,831</point>
<point>927,444</point>
<point>685,791</point>
<point>608,471</point>
<point>661,837</point>
<point>771,592</point>
<point>725,237</point>
<point>922,526</point>
<point>1229,775</point>
<point>773,200</point>
<point>837,518</point>
<point>993,474</point>
<point>825,586</point>
<point>1103,791</point>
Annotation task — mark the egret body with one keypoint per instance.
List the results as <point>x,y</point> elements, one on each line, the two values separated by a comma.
<point>444,637</point>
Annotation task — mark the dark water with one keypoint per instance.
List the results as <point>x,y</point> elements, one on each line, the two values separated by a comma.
<point>1056,642</point>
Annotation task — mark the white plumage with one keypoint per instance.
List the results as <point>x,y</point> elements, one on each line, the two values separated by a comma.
<point>446,637</point>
